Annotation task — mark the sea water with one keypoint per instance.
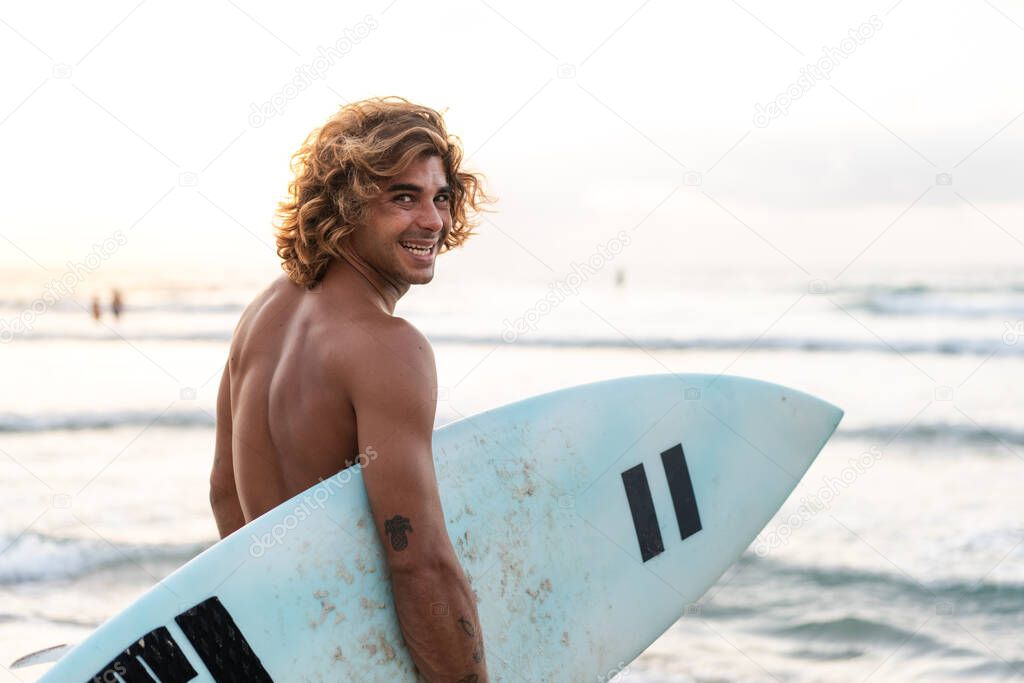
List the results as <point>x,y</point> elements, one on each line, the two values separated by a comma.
<point>900,556</point>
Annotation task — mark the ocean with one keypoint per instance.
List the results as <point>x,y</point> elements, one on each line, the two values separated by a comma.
<point>899,557</point>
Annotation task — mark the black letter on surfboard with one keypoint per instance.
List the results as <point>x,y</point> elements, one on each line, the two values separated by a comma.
<point>396,527</point>
<point>645,519</point>
<point>681,488</point>
<point>641,505</point>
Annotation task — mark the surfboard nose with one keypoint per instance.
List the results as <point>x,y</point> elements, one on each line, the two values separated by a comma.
<point>780,413</point>
<point>813,413</point>
<point>816,416</point>
<point>830,415</point>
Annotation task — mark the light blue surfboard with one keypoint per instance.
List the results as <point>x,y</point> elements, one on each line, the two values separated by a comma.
<point>587,519</point>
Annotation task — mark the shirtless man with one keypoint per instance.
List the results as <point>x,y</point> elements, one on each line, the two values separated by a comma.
<point>320,369</point>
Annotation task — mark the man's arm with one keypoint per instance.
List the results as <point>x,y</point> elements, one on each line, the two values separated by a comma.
<point>394,388</point>
<point>223,494</point>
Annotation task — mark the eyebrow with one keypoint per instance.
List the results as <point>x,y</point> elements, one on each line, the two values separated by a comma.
<point>412,187</point>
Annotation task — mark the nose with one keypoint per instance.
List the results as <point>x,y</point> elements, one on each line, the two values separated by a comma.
<point>431,218</point>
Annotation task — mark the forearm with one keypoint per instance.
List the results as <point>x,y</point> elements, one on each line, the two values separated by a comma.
<point>438,616</point>
<point>227,512</point>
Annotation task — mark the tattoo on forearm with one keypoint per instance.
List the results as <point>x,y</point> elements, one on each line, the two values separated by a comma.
<point>396,528</point>
<point>476,656</point>
<point>471,678</point>
<point>467,626</point>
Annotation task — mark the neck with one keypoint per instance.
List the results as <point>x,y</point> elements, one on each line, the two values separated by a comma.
<point>352,272</point>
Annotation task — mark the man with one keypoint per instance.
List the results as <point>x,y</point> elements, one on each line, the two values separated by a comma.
<point>321,370</point>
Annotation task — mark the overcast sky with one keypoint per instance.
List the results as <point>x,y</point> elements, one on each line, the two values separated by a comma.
<point>587,119</point>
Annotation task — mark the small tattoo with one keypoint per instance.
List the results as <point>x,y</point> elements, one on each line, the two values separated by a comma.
<point>467,626</point>
<point>396,527</point>
<point>476,656</point>
<point>471,678</point>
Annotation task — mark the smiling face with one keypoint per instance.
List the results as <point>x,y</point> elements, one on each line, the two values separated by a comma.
<point>407,224</point>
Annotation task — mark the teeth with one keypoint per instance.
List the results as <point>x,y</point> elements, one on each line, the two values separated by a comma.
<point>422,251</point>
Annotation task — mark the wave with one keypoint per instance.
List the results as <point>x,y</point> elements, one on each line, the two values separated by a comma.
<point>13,422</point>
<point>822,613</point>
<point>944,433</point>
<point>849,637</point>
<point>961,595</point>
<point>829,654</point>
<point>949,300</point>
<point>123,334</point>
<point>186,419</point>
<point>915,298</point>
<point>951,346</point>
<point>846,629</point>
<point>186,307</point>
<point>940,346</point>
<point>920,287</point>
<point>35,557</point>
<point>942,306</point>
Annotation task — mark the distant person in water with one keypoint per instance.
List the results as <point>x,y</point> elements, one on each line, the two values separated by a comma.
<point>96,310</point>
<point>116,304</point>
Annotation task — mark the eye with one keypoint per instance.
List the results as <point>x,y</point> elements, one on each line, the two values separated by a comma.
<point>399,196</point>
<point>444,197</point>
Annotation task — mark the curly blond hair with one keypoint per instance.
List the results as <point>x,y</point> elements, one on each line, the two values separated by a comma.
<point>342,165</point>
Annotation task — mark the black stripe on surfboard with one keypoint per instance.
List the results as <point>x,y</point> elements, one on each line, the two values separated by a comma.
<point>679,485</point>
<point>159,652</point>
<point>221,646</point>
<point>641,505</point>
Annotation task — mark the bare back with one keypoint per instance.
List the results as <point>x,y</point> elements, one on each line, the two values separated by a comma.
<point>291,422</point>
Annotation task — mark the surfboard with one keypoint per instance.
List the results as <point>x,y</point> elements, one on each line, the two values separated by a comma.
<point>588,521</point>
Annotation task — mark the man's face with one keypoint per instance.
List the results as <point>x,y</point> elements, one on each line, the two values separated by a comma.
<point>407,224</point>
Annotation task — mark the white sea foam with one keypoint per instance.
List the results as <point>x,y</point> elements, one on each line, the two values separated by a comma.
<point>31,557</point>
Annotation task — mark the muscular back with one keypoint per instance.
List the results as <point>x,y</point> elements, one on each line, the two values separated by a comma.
<point>292,423</point>
<point>313,380</point>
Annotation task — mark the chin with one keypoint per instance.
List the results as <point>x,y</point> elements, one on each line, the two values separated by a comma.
<point>420,278</point>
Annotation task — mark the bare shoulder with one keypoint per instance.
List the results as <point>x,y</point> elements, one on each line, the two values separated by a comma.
<point>252,310</point>
<point>409,341</point>
<point>381,351</point>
